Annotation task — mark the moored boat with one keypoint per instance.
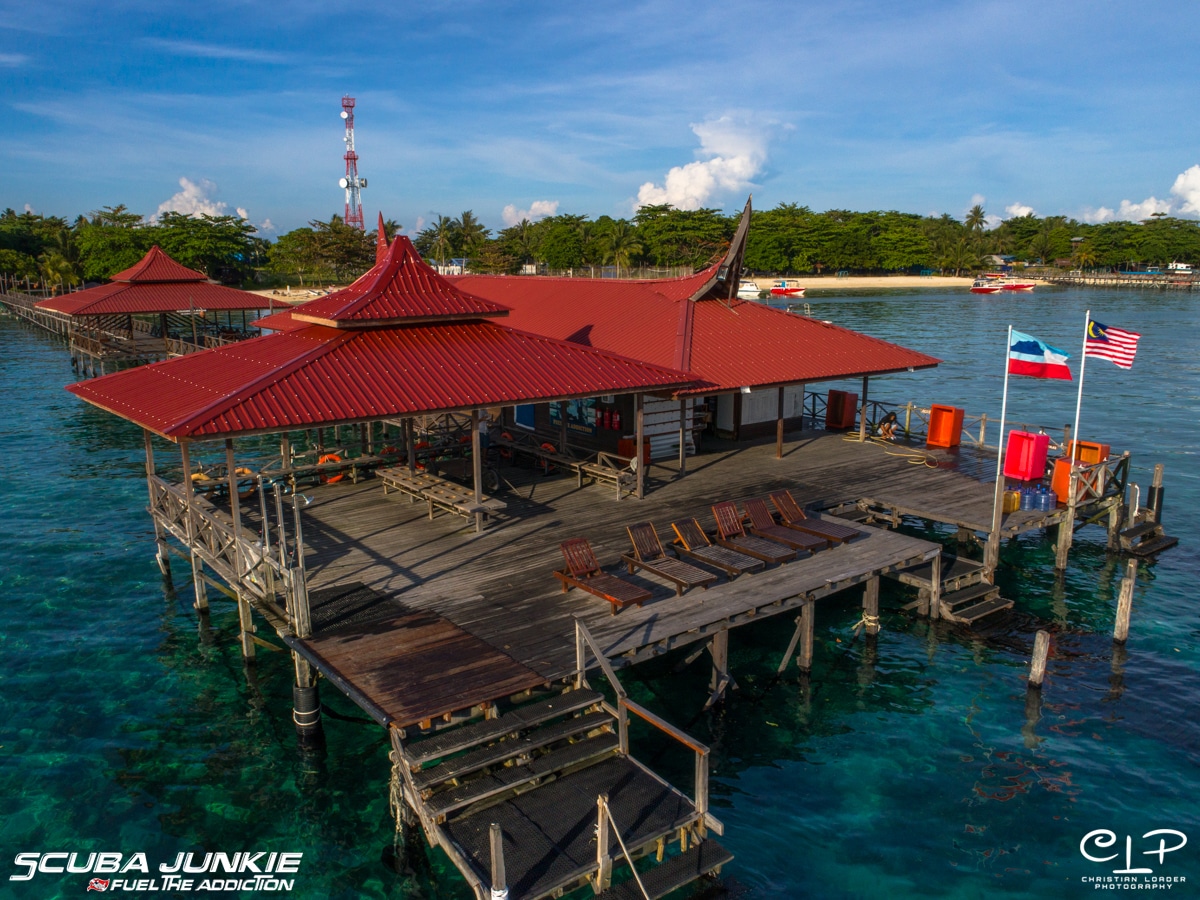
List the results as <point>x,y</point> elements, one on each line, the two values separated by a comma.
<point>986,286</point>
<point>748,289</point>
<point>785,288</point>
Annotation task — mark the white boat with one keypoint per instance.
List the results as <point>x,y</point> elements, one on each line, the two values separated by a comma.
<point>785,288</point>
<point>993,283</point>
<point>748,289</point>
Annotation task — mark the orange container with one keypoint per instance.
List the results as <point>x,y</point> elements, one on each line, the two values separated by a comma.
<point>841,410</point>
<point>1088,452</point>
<point>627,449</point>
<point>1060,483</point>
<point>1025,458</point>
<point>945,426</point>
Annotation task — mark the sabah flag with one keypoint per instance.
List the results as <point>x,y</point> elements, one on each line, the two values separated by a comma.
<point>1029,356</point>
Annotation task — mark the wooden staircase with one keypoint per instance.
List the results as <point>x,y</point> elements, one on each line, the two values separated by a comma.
<point>965,596</point>
<point>1146,539</point>
<point>548,789</point>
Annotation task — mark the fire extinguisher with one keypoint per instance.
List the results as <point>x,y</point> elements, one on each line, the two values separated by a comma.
<point>606,419</point>
<point>599,417</point>
<point>616,420</point>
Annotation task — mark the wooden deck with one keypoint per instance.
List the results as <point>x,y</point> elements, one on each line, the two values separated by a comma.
<point>499,587</point>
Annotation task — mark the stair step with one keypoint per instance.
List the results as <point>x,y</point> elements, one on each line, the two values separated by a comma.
<point>490,754</point>
<point>509,777</point>
<point>672,873</point>
<point>1159,544</point>
<point>973,614</point>
<point>968,595</point>
<point>1142,530</point>
<point>485,730</point>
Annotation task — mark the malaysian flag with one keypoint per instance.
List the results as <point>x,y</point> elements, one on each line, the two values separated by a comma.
<point>1114,344</point>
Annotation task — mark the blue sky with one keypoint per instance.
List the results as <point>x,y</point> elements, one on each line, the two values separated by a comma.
<point>507,108</point>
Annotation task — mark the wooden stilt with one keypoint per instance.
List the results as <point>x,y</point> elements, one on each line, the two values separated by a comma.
<point>1037,666</point>
<point>161,551</point>
<point>245,614</point>
<point>1066,528</point>
<point>871,605</point>
<point>1113,544</point>
<point>198,585</point>
<point>603,861</point>
<point>720,680</point>
<point>477,467</point>
<point>791,647</point>
<point>807,626</point>
<point>410,445</point>
<point>499,882</point>
<point>1033,715</point>
<point>935,588</point>
<point>862,417</point>
<point>1125,602</point>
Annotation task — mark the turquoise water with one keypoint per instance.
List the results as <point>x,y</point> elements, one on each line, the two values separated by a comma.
<point>903,769</point>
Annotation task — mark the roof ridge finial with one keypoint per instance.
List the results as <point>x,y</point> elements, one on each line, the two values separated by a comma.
<point>381,242</point>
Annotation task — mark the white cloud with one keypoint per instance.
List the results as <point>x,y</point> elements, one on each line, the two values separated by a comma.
<point>1187,189</point>
<point>219,51</point>
<point>1017,210</point>
<point>13,59</point>
<point>28,208</point>
<point>265,225</point>
<point>242,214</point>
<point>736,151</point>
<point>977,200</point>
<point>1098,215</point>
<point>1135,212</point>
<point>420,224</point>
<point>193,200</point>
<point>539,209</point>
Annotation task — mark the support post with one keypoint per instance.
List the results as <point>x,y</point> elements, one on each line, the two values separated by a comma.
<point>197,566</point>
<point>603,860</point>
<point>720,679</point>
<point>779,425</point>
<point>935,587</point>
<point>683,436</point>
<point>1066,528</point>
<point>807,623</point>
<point>639,416</point>
<point>245,615</point>
<point>1113,544</point>
<point>871,605</point>
<point>161,552</point>
<point>862,417</point>
<point>477,469</point>
<point>303,623</point>
<point>1156,494</point>
<point>1125,602</point>
<point>499,884</point>
<point>306,705</point>
<point>1037,666</point>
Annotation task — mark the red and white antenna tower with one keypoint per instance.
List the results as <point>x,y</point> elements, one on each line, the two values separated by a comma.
<point>352,183</point>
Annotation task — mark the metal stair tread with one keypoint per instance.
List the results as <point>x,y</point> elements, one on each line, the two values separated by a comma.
<point>1138,531</point>
<point>467,736</point>
<point>959,598</point>
<point>973,614</point>
<point>1149,548</point>
<point>489,754</point>
<point>672,873</point>
<point>509,777</point>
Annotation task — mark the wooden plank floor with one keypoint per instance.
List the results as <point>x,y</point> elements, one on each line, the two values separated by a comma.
<point>498,585</point>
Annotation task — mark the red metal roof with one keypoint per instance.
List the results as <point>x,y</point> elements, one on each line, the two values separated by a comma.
<point>726,345</point>
<point>121,298</point>
<point>318,375</point>
<point>157,284</point>
<point>401,289</point>
<point>157,266</point>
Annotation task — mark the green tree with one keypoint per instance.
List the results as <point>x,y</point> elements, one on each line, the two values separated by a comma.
<point>14,264</point>
<point>219,246</point>
<point>469,233</point>
<point>618,243</point>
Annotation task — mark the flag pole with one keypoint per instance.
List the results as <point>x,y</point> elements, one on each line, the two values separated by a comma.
<point>1087,322</point>
<point>993,549</point>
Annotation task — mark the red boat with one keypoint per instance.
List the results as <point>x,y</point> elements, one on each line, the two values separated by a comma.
<point>994,283</point>
<point>786,288</point>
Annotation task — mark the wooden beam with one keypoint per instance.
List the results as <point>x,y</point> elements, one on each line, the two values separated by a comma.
<point>683,402</point>
<point>779,426</point>
<point>477,468</point>
<point>639,416</point>
<point>862,416</point>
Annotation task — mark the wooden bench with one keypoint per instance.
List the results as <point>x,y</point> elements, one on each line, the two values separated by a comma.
<point>438,492</point>
<point>604,467</point>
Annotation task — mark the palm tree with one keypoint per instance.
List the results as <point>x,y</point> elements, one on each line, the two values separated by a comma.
<point>443,237</point>
<point>471,232</point>
<point>57,269</point>
<point>975,222</point>
<point>117,216</point>
<point>619,244</point>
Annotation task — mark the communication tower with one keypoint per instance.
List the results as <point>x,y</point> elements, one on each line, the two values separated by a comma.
<point>351,182</point>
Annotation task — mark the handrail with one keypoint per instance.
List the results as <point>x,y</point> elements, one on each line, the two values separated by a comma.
<point>584,636</point>
<point>664,726</point>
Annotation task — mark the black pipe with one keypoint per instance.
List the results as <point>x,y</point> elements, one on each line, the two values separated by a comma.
<point>306,713</point>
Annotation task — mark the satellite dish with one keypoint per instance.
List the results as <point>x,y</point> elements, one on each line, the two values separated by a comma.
<point>345,115</point>
<point>362,182</point>
<point>342,182</point>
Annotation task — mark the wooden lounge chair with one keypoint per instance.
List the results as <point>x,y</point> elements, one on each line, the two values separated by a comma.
<point>584,573</point>
<point>793,517</point>
<point>733,536</point>
<point>762,523</point>
<point>648,554</point>
<point>691,541</point>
